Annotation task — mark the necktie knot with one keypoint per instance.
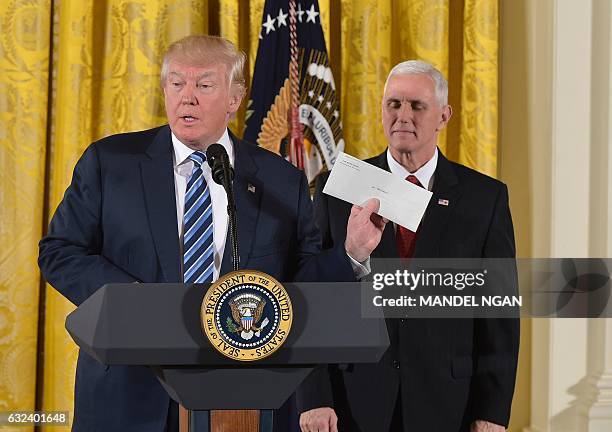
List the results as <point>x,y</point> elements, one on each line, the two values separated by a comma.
<point>198,158</point>
<point>414,180</point>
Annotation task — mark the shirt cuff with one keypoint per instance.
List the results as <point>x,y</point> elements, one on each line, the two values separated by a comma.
<point>360,269</point>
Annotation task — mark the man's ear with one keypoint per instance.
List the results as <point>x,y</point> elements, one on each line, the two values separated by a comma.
<point>235,101</point>
<point>447,113</point>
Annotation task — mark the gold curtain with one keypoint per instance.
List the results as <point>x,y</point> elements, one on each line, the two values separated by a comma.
<point>24,83</point>
<point>73,71</point>
<point>479,81</point>
<point>459,37</point>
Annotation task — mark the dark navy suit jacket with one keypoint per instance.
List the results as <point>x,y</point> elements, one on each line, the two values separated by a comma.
<point>449,371</point>
<point>117,223</point>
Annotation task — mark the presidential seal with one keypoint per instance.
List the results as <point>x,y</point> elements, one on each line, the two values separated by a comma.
<point>246,315</point>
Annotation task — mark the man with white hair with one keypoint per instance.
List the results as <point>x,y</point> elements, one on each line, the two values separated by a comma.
<point>438,375</point>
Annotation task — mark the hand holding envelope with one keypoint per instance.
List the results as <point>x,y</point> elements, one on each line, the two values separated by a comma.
<point>356,181</point>
<point>364,230</point>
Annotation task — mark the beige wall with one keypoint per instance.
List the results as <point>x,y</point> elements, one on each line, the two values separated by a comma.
<point>555,155</point>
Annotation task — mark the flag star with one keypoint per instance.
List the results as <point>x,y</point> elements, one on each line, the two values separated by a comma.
<point>328,105</point>
<point>281,19</point>
<point>311,94</point>
<point>269,24</point>
<point>312,14</point>
<point>336,114</point>
<point>300,12</point>
<point>320,98</point>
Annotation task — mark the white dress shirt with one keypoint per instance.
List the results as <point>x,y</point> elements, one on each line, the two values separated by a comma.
<point>183,166</point>
<point>425,174</point>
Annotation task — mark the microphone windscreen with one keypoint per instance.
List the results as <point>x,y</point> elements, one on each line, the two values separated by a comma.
<point>215,152</point>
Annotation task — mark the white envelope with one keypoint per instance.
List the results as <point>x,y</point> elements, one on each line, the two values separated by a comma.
<point>356,181</point>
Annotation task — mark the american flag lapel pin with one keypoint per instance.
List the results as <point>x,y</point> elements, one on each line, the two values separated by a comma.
<point>443,202</point>
<point>251,188</point>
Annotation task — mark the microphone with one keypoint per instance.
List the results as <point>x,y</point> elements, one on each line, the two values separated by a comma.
<point>223,174</point>
<point>217,158</point>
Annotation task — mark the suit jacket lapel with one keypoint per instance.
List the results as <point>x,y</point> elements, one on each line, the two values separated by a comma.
<point>247,193</point>
<point>158,184</point>
<point>437,213</point>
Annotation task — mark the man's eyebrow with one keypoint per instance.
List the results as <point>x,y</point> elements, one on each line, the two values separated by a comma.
<point>396,99</point>
<point>206,74</point>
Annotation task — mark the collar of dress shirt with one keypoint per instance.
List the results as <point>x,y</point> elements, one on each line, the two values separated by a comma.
<point>425,174</point>
<point>182,152</point>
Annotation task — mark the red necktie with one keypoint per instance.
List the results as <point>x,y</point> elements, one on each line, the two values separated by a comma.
<point>404,238</point>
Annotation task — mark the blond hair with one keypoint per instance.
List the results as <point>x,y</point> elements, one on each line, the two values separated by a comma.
<point>201,50</point>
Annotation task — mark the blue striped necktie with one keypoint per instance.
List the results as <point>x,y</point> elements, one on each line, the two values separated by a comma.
<point>198,251</point>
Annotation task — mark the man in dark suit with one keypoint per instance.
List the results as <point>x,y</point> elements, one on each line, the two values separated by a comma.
<point>142,207</point>
<point>441,375</point>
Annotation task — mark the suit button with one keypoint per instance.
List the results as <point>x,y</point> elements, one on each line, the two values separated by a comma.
<point>396,364</point>
<point>402,321</point>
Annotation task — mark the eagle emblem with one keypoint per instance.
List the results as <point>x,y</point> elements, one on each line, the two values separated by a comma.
<point>275,126</point>
<point>246,315</point>
<point>247,310</point>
